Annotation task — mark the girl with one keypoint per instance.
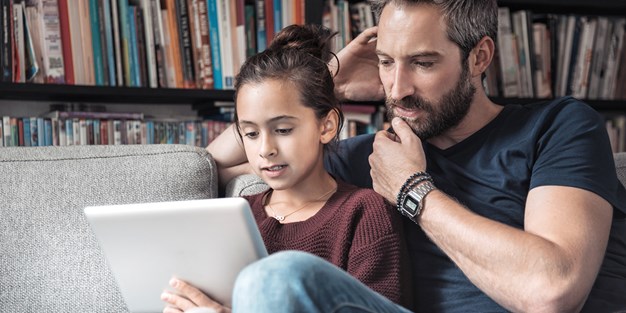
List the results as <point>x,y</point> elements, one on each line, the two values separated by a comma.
<point>286,115</point>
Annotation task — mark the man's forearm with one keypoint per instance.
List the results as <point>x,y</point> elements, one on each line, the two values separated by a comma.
<point>519,270</point>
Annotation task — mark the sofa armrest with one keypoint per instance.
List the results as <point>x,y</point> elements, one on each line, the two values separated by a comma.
<point>50,260</point>
<point>245,185</point>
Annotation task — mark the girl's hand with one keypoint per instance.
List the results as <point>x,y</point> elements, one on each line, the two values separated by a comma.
<point>188,297</point>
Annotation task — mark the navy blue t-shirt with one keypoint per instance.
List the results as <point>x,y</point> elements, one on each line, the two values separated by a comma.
<point>563,142</point>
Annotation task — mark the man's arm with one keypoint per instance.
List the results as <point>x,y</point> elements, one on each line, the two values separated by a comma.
<point>229,155</point>
<point>357,78</point>
<point>549,266</point>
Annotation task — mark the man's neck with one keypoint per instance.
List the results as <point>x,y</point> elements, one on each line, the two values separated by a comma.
<point>481,112</point>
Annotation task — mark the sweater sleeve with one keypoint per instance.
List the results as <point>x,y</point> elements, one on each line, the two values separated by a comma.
<point>378,255</point>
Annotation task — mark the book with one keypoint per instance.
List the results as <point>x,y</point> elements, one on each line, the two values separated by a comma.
<point>19,58</point>
<point>159,43</point>
<point>117,44</point>
<point>508,54</point>
<point>125,53</point>
<point>580,80</point>
<point>141,47</point>
<point>149,39</point>
<point>186,53</point>
<point>226,44</point>
<point>66,41</point>
<point>96,42</point>
<point>94,115</point>
<point>216,49</point>
<point>86,43</point>
<point>261,32</point>
<point>200,40</point>
<point>175,72</point>
<point>108,44</point>
<point>7,40</point>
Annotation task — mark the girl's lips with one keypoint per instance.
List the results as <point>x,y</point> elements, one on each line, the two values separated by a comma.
<point>274,171</point>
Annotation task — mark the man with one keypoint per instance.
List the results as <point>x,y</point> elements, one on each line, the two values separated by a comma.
<point>510,208</point>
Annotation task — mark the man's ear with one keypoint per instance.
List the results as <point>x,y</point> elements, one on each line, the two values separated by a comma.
<point>329,127</point>
<point>481,56</point>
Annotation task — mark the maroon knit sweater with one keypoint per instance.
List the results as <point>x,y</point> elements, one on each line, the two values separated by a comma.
<point>355,230</point>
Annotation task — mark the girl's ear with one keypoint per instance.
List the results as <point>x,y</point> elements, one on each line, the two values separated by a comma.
<point>328,127</point>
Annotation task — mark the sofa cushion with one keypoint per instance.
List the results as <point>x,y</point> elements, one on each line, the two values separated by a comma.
<point>49,258</point>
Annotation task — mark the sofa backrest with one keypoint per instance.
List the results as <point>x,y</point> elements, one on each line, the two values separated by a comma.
<point>252,184</point>
<point>50,260</point>
<point>620,166</point>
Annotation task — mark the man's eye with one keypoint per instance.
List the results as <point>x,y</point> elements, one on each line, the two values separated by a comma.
<point>284,131</point>
<point>424,64</point>
<point>385,63</point>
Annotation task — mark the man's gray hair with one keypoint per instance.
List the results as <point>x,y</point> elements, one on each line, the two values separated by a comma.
<point>468,21</point>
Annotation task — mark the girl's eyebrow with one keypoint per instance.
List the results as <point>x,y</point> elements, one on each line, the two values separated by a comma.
<point>271,120</point>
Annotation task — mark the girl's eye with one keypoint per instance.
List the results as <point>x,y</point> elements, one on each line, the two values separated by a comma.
<point>284,131</point>
<point>251,135</point>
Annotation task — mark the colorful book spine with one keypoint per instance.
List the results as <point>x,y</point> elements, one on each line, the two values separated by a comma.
<point>94,19</point>
<point>214,36</point>
<point>132,44</point>
<point>53,51</point>
<point>66,41</point>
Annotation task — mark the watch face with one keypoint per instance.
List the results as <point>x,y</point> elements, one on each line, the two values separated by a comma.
<point>410,205</point>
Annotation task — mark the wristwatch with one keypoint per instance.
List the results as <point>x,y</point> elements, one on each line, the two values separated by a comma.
<point>414,199</point>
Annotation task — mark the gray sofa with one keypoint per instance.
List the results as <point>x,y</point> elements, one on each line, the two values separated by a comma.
<point>49,259</point>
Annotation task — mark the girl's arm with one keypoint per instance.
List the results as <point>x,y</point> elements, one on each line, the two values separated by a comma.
<point>229,155</point>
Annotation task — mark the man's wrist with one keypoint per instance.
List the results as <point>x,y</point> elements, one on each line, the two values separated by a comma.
<point>410,199</point>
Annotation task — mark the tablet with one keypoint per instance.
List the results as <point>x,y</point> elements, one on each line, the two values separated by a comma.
<point>205,242</point>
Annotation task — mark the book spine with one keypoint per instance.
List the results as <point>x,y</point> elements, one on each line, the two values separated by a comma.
<point>96,43</point>
<point>205,46</point>
<point>66,41</point>
<point>185,44</point>
<point>133,55</point>
<point>214,37</point>
<point>7,42</point>
<point>159,43</point>
<point>110,46</point>
<point>103,42</point>
<point>141,47</point>
<point>261,33</point>
<point>124,26</point>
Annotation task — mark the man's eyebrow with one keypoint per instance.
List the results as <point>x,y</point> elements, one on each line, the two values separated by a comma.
<point>415,55</point>
<point>271,120</point>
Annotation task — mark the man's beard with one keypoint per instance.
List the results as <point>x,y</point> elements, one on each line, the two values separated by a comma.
<point>441,116</point>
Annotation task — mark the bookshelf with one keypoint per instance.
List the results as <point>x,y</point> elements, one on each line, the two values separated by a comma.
<point>204,100</point>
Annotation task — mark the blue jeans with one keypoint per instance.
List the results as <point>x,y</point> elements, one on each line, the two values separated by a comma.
<point>294,281</point>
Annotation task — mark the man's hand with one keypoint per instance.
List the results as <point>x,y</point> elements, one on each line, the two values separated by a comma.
<point>358,78</point>
<point>188,297</point>
<point>395,158</point>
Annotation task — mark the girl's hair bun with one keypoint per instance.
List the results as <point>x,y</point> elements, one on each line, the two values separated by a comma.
<point>310,38</point>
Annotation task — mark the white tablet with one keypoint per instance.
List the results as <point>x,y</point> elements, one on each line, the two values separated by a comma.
<point>205,242</point>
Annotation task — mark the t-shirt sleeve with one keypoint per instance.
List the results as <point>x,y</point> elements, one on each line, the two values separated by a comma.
<point>573,150</point>
<point>348,160</point>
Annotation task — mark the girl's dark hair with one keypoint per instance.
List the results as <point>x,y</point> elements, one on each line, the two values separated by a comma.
<point>298,54</point>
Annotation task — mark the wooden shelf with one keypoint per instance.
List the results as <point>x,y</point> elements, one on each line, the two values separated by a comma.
<point>103,94</point>
<point>587,7</point>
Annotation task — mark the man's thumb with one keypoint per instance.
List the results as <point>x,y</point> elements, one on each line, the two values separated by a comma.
<point>402,129</point>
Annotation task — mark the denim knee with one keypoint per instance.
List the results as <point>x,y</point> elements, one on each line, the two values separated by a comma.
<point>278,267</point>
